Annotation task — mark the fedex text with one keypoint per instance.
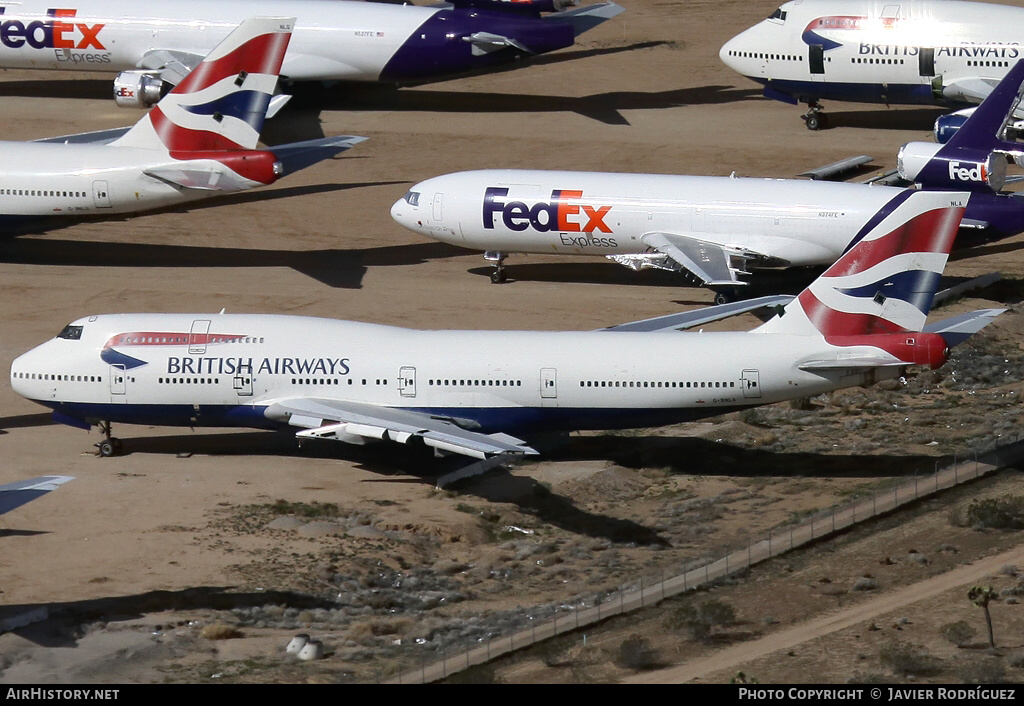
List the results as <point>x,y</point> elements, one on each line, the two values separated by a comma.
<point>55,33</point>
<point>562,213</point>
<point>969,171</point>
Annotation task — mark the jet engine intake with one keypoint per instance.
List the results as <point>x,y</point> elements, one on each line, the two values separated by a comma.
<point>139,89</point>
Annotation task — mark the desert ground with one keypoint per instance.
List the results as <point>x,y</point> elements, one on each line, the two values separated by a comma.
<point>145,559</point>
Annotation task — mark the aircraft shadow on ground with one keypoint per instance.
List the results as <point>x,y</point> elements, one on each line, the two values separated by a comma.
<point>61,629</point>
<point>603,107</point>
<point>81,88</point>
<point>394,463</point>
<point>23,421</point>
<point>885,119</point>
<point>339,268</point>
<point>692,455</point>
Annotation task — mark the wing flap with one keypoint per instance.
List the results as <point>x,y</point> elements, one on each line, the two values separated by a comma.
<point>353,422</point>
<point>709,262</point>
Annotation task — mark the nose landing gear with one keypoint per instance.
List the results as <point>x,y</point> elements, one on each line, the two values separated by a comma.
<point>498,258</point>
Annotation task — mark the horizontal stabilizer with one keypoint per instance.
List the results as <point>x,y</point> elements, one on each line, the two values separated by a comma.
<point>958,329</point>
<point>706,315</point>
<point>486,42</point>
<point>199,178</point>
<point>836,169</point>
<point>861,363</point>
<point>969,90</point>
<point>172,66</point>
<point>13,495</point>
<point>97,137</point>
<point>584,19</point>
<point>299,155</point>
<point>354,422</point>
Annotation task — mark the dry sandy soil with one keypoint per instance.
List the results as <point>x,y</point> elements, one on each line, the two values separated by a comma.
<point>242,532</point>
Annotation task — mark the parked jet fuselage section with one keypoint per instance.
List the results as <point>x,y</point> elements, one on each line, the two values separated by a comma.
<point>924,52</point>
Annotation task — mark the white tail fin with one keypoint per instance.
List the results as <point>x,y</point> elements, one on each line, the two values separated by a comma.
<point>885,282</point>
<point>221,105</point>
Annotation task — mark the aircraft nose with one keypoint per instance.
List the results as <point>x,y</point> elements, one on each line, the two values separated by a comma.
<point>404,214</point>
<point>729,52</point>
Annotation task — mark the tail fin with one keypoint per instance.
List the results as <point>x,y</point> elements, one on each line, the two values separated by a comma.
<point>885,282</point>
<point>222,103</point>
<point>983,130</point>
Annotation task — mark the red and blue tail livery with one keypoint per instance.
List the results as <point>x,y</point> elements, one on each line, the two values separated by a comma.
<point>200,139</point>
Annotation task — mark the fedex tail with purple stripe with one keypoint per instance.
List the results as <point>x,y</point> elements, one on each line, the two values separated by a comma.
<point>872,304</point>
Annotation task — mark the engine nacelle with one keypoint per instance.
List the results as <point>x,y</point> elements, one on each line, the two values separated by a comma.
<point>526,7</point>
<point>139,89</point>
<point>963,169</point>
<point>947,125</point>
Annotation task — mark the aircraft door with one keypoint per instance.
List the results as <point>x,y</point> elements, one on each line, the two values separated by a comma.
<point>751,384</point>
<point>100,194</point>
<point>198,336</point>
<point>407,381</point>
<point>926,62</point>
<point>243,384</point>
<point>437,206</point>
<point>118,384</point>
<point>816,60</point>
<point>548,386</point>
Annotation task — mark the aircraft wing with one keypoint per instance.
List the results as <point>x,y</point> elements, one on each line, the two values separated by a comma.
<point>172,66</point>
<point>13,495</point>
<point>587,17</point>
<point>356,423</point>
<point>959,328</point>
<point>969,90</point>
<point>299,155</point>
<point>98,137</point>
<point>705,315</point>
<point>711,263</point>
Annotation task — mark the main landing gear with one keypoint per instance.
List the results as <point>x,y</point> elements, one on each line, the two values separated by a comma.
<point>110,446</point>
<point>815,117</point>
<point>498,258</point>
<point>726,296</point>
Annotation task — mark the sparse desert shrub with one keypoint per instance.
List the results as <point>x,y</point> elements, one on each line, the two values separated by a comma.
<point>959,633</point>
<point>865,583</point>
<point>635,652</point>
<point>701,620</point>
<point>991,513</point>
<point>903,658</point>
<point>982,671</point>
<point>220,631</point>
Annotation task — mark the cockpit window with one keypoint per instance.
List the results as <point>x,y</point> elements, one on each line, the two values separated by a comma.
<point>412,198</point>
<point>71,333</point>
<point>779,15</point>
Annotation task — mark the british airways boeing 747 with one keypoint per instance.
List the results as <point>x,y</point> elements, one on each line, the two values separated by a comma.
<point>473,392</point>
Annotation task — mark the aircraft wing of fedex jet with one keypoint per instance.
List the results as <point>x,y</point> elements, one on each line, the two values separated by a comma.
<point>199,140</point>
<point>154,45</point>
<point>14,495</point>
<point>483,393</point>
<point>924,52</point>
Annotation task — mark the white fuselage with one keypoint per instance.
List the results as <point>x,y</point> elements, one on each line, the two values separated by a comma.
<point>54,179</point>
<point>792,222</point>
<point>914,52</point>
<point>333,39</point>
<point>227,370</point>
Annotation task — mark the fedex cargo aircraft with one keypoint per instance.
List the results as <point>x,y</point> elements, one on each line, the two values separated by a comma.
<point>474,392</point>
<point>715,229</point>
<point>154,44</point>
<point>919,52</point>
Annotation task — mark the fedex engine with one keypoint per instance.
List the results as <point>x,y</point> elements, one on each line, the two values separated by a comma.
<point>139,89</point>
<point>974,170</point>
